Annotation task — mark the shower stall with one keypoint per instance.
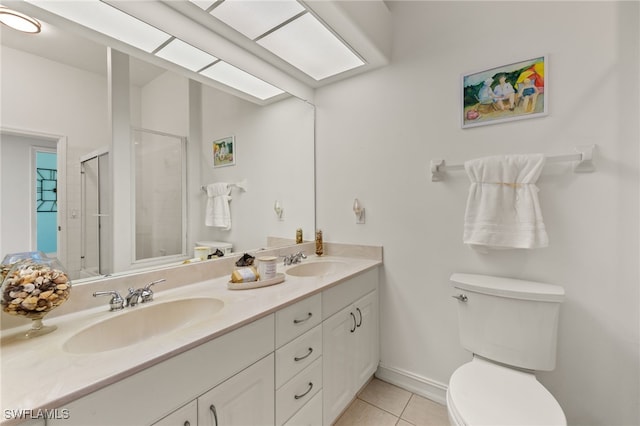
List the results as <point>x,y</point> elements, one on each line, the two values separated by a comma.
<point>96,232</point>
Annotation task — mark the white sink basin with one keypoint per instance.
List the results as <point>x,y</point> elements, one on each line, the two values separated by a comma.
<point>316,269</point>
<point>133,325</point>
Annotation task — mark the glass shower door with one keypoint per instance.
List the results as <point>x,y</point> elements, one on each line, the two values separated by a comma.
<point>96,226</point>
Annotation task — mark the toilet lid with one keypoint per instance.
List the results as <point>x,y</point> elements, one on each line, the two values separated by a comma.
<point>483,393</point>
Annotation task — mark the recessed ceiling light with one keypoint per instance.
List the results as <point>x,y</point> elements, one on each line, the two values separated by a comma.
<point>309,46</point>
<point>19,21</point>
<point>240,80</point>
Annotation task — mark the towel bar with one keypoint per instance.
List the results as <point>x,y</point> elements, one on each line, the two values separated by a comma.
<point>583,156</point>
<point>240,185</point>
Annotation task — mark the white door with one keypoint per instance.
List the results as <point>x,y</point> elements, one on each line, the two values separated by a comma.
<point>245,399</point>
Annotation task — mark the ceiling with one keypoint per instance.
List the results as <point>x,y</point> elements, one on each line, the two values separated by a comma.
<point>363,25</point>
<point>73,50</point>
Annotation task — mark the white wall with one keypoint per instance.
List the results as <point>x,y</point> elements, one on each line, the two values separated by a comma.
<point>42,96</point>
<point>274,153</point>
<point>376,134</point>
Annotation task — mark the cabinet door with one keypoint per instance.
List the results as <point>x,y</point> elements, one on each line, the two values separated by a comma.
<point>366,350</point>
<point>187,415</point>
<point>337,369</point>
<point>245,399</point>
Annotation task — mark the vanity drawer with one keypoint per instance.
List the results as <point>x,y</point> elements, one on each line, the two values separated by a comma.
<point>298,391</point>
<point>294,320</point>
<point>295,356</point>
<point>310,414</point>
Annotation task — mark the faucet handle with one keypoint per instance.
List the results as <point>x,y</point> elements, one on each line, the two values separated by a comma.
<point>148,286</point>
<point>116,303</point>
<point>147,294</point>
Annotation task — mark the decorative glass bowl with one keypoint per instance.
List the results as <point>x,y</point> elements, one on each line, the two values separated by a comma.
<point>33,285</point>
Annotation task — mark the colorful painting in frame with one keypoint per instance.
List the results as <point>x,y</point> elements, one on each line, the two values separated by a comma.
<point>508,92</point>
<point>224,152</point>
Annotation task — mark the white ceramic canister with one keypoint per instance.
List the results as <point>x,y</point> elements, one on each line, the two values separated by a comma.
<point>201,252</point>
<point>267,267</point>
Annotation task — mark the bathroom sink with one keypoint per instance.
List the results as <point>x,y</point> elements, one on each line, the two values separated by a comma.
<point>316,269</point>
<point>133,325</point>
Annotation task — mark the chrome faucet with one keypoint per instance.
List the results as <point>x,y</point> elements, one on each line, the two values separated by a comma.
<point>116,303</point>
<point>141,295</point>
<point>146,294</point>
<point>133,296</point>
<point>294,258</point>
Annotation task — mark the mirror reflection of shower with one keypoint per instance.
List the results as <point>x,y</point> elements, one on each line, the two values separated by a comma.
<point>160,195</point>
<point>96,233</point>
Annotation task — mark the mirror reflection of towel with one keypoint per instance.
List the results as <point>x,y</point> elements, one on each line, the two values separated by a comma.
<point>218,213</point>
<point>503,210</point>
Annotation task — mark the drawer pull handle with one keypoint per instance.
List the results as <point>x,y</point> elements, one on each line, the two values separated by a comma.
<point>308,390</point>
<point>297,321</point>
<point>215,414</point>
<point>186,423</point>
<point>300,358</point>
<point>359,313</point>
<point>354,322</point>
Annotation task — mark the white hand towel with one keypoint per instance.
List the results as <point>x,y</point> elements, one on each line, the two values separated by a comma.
<point>218,213</point>
<point>503,210</point>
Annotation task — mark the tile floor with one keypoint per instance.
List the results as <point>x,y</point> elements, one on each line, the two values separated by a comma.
<point>383,404</point>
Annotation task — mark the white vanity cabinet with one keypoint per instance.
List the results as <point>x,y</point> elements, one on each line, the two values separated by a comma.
<point>151,394</point>
<point>244,399</point>
<point>298,363</point>
<point>350,340</point>
<point>298,366</point>
<point>186,415</point>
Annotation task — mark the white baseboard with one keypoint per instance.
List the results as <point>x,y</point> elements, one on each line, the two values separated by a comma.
<point>422,386</point>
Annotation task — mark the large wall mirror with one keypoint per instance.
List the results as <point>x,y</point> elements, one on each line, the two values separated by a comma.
<point>57,93</point>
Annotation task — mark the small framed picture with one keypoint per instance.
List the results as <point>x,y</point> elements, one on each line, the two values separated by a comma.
<point>224,152</point>
<point>509,92</point>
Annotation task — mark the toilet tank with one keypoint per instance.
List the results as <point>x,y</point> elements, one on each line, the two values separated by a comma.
<point>514,322</point>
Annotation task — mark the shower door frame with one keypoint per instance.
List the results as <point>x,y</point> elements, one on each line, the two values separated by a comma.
<point>104,244</point>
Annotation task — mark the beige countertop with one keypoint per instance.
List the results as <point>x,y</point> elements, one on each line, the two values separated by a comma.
<point>38,373</point>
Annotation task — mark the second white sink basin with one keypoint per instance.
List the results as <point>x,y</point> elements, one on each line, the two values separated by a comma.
<point>316,269</point>
<point>136,324</point>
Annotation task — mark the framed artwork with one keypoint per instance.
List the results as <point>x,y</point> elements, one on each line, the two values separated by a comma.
<point>509,92</point>
<point>224,152</point>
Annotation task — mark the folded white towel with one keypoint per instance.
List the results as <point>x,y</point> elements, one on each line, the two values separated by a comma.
<point>218,213</point>
<point>503,210</point>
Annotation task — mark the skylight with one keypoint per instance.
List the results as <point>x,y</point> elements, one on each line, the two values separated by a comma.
<point>185,55</point>
<point>119,25</point>
<point>289,31</point>
<point>309,46</point>
<point>254,18</point>
<point>107,20</point>
<point>234,77</point>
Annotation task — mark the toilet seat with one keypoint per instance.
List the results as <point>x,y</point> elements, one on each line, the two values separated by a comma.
<point>484,393</point>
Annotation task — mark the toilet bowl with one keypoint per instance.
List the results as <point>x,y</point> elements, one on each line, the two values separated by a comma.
<point>510,326</point>
<point>484,393</point>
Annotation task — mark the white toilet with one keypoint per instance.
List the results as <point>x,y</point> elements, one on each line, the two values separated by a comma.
<point>511,327</point>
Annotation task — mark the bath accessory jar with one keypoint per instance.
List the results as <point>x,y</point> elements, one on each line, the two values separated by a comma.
<point>33,286</point>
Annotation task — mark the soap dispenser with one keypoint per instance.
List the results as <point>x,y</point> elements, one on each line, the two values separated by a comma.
<point>319,245</point>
